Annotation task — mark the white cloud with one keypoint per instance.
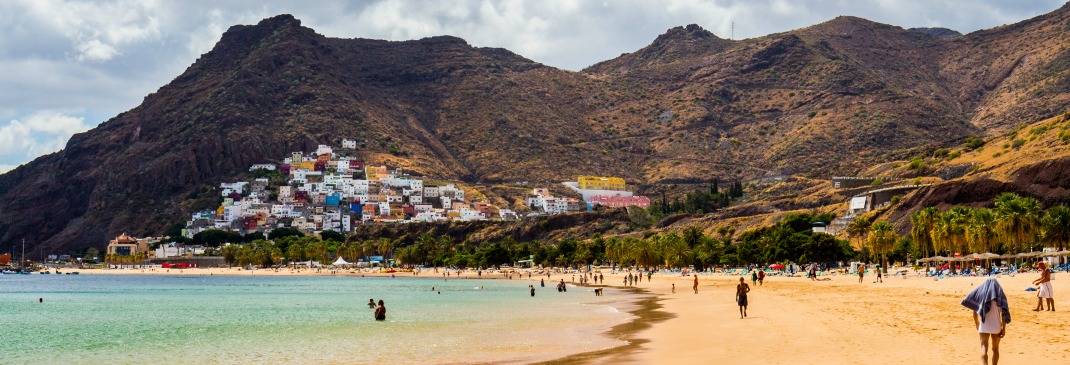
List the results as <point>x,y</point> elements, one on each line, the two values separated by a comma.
<point>38,134</point>
<point>95,50</point>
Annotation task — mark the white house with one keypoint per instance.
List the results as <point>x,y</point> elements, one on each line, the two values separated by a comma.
<point>262,166</point>
<point>236,187</point>
<point>324,150</point>
<point>349,143</point>
<point>471,215</point>
<point>431,191</point>
<point>428,216</point>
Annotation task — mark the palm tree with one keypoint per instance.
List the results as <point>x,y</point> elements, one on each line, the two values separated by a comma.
<point>948,232</point>
<point>1056,224</point>
<point>980,230</point>
<point>881,240</point>
<point>922,222</point>
<point>858,229</point>
<point>1018,221</point>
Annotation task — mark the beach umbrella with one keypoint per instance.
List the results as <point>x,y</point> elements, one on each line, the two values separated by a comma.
<point>776,267</point>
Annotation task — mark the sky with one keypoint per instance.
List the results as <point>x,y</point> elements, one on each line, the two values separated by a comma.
<point>66,66</point>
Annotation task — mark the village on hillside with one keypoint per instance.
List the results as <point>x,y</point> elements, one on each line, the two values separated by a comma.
<point>331,190</point>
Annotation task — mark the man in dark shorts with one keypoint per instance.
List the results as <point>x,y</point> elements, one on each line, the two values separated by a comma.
<point>861,272</point>
<point>741,297</point>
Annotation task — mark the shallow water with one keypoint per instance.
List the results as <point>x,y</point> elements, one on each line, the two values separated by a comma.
<point>232,319</point>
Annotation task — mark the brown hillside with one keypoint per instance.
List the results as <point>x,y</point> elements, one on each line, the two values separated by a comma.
<point>833,98</point>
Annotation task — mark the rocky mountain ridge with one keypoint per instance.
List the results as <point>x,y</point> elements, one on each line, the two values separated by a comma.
<point>833,98</point>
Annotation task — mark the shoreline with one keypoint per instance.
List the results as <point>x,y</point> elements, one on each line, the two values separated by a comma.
<point>646,313</point>
<point>793,319</point>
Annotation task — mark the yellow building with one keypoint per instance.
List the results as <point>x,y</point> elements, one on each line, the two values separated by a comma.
<point>304,165</point>
<point>601,183</point>
<point>375,173</point>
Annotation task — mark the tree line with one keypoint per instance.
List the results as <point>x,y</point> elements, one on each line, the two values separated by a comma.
<point>1013,224</point>
<point>790,240</point>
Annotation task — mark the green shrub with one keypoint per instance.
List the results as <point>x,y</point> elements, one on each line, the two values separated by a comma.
<point>916,163</point>
<point>973,143</point>
<point>811,114</point>
<point>1017,143</point>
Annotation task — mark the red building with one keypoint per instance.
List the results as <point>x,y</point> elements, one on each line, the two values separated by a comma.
<point>620,201</point>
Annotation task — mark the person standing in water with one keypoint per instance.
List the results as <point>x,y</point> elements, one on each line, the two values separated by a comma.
<point>532,289</point>
<point>380,311</point>
<point>1045,292</point>
<point>695,285</point>
<point>741,297</point>
<point>371,303</point>
<point>542,283</point>
<point>991,314</point>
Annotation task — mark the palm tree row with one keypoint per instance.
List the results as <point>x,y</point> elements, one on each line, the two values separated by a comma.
<point>1013,224</point>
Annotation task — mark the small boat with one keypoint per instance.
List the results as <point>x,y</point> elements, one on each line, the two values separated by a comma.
<point>74,273</point>
<point>44,273</point>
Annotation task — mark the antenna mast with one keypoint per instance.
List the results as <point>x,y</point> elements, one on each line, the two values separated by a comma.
<point>732,30</point>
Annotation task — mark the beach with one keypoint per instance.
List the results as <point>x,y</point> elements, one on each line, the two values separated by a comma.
<point>798,321</point>
<point>793,319</point>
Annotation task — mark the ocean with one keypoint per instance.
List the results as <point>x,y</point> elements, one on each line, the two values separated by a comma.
<point>139,319</point>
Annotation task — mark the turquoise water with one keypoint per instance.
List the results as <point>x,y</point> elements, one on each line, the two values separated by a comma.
<point>90,319</point>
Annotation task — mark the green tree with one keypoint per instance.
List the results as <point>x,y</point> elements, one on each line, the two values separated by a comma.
<point>881,240</point>
<point>922,222</point>
<point>1018,221</point>
<point>1056,226</point>
<point>284,232</point>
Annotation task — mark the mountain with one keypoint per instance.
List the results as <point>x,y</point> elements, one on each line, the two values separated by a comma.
<point>833,98</point>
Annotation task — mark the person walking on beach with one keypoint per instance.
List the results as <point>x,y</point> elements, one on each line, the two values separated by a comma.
<point>991,314</point>
<point>602,278</point>
<point>754,277</point>
<point>761,277</point>
<point>861,272</point>
<point>380,311</point>
<point>674,288</point>
<point>1045,292</point>
<point>695,285</point>
<point>880,275</point>
<point>741,297</point>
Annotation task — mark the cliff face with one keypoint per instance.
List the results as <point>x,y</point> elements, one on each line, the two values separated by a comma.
<point>826,99</point>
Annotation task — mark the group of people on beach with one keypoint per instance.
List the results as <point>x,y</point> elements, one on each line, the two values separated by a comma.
<point>631,279</point>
